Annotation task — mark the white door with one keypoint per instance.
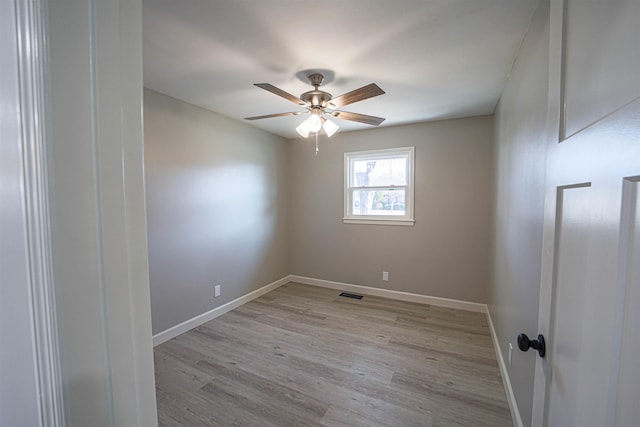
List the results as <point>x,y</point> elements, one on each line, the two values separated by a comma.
<point>590,288</point>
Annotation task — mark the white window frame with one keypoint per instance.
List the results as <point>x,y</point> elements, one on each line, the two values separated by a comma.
<point>349,187</point>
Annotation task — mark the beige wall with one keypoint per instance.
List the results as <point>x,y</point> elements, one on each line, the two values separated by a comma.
<point>219,192</point>
<point>446,253</point>
<point>217,208</point>
<point>520,156</point>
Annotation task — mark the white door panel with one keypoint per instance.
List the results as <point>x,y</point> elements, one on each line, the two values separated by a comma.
<point>627,407</point>
<point>587,309</point>
<point>590,286</point>
<point>568,343</point>
<point>600,73</point>
<point>580,343</point>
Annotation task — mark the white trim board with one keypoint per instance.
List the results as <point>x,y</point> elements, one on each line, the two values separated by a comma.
<point>187,325</point>
<point>506,380</point>
<point>386,293</point>
<point>31,54</point>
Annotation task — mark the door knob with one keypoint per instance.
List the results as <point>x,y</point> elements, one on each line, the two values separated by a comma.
<point>524,344</point>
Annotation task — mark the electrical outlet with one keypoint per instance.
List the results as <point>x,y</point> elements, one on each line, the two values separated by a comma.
<point>385,276</point>
<point>216,291</point>
<point>510,351</point>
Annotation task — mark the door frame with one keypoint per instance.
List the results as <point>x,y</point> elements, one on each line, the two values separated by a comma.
<point>32,60</point>
<point>113,31</point>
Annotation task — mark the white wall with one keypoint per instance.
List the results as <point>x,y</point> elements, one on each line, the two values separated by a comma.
<point>217,204</point>
<point>519,163</point>
<point>445,254</point>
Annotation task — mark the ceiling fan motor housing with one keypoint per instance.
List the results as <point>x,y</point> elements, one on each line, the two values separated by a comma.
<point>316,98</point>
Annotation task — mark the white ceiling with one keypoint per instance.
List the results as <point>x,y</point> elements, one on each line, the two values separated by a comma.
<point>435,59</point>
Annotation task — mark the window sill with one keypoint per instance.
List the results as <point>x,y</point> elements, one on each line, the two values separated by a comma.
<point>378,221</point>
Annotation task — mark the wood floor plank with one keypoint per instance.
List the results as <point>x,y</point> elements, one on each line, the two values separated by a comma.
<point>302,355</point>
<point>179,374</point>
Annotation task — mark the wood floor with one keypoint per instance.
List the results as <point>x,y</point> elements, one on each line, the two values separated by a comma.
<point>304,356</point>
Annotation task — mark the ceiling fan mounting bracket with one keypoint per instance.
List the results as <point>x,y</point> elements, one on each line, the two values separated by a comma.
<point>316,79</point>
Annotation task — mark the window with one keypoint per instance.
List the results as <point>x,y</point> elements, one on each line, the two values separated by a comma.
<point>378,187</point>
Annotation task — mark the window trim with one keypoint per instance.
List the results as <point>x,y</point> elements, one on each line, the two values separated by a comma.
<point>387,153</point>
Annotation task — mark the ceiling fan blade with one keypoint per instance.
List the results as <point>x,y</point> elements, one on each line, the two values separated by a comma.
<point>286,95</point>
<point>268,116</point>
<point>365,92</point>
<point>356,117</point>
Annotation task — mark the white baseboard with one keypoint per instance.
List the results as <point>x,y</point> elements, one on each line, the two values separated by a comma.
<point>187,325</point>
<point>511,398</point>
<point>397,295</point>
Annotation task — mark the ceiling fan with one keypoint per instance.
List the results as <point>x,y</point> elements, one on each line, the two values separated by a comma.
<point>320,104</point>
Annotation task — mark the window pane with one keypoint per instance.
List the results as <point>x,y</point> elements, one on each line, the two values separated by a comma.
<point>387,202</point>
<point>381,172</point>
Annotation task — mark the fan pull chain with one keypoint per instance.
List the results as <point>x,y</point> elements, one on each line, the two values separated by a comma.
<point>317,144</point>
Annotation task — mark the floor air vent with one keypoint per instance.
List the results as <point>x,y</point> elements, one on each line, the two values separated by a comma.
<point>348,295</point>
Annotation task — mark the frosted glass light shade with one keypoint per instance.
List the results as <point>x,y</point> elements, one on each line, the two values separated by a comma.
<point>314,123</point>
<point>303,129</point>
<point>330,127</point>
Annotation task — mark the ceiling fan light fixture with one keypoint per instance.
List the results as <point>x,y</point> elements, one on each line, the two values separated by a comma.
<point>319,104</point>
<point>329,127</point>
<point>303,129</point>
